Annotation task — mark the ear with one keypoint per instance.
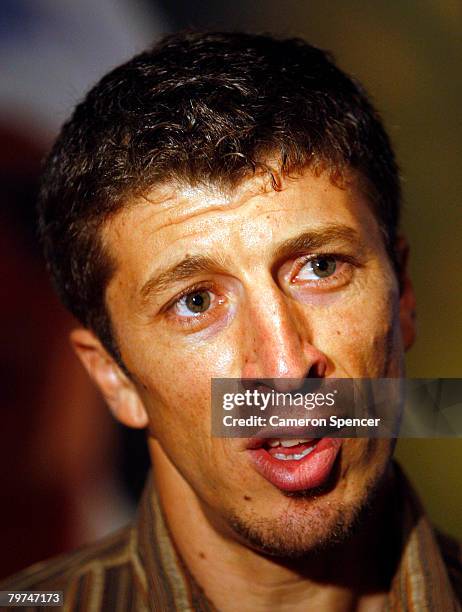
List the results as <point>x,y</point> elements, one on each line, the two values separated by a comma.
<point>407,302</point>
<point>118,391</point>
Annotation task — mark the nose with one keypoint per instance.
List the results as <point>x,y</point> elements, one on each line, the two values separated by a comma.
<point>278,341</point>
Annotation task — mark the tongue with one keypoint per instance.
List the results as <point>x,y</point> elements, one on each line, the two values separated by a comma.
<point>290,450</point>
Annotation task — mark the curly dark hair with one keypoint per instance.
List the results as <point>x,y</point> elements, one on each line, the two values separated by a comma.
<point>201,107</point>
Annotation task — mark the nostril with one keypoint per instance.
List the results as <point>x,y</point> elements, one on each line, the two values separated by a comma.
<point>318,369</point>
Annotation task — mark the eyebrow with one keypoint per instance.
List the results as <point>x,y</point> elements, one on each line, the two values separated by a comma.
<point>194,264</point>
<point>185,269</point>
<point>332,234</point>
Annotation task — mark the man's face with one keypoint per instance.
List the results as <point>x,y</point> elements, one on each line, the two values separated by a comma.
<point>255,283</point>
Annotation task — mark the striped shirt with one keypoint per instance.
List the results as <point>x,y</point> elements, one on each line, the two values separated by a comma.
<point>138,569</point>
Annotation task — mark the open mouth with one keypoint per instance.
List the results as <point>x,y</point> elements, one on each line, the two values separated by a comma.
<point>294,464</point>
<point>289,450</point>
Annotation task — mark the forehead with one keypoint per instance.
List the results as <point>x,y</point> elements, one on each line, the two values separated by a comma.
<point>172,222</point>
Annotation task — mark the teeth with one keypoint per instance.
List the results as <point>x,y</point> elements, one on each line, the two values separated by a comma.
<point>286,443</point>
<point>295,456</point>
<point>289,443</point>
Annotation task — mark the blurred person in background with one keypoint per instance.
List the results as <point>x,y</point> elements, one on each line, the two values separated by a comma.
<point>227,205</point>
<point>73,461</point>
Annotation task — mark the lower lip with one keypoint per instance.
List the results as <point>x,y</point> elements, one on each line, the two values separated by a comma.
<point>291,475</point>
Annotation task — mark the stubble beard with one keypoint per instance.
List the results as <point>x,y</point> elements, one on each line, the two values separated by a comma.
<point>311,524</point>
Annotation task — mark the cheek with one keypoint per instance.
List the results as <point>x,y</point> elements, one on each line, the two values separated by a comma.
<point>176,391</point>
<point>361,336</point>
<point>175,380</point>
<point>363,461</point>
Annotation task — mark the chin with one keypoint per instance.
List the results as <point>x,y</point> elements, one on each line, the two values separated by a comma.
<point>308,522</point>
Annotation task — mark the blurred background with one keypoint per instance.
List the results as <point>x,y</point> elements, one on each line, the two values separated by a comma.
<point>68,473</point>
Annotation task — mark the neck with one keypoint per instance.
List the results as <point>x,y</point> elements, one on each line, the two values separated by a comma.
<point>352,576</point>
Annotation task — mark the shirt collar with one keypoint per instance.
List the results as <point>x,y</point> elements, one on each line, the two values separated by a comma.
<point>168,583</point>
<point>421,581</point>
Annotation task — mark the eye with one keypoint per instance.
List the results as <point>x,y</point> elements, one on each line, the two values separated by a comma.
<point>194,303</point>
<point>322,266</point>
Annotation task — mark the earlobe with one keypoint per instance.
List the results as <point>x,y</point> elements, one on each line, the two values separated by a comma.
<point>407,301</point>
<point>118,391</point>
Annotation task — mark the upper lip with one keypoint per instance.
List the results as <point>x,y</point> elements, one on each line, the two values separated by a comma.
<point>254,443</point>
